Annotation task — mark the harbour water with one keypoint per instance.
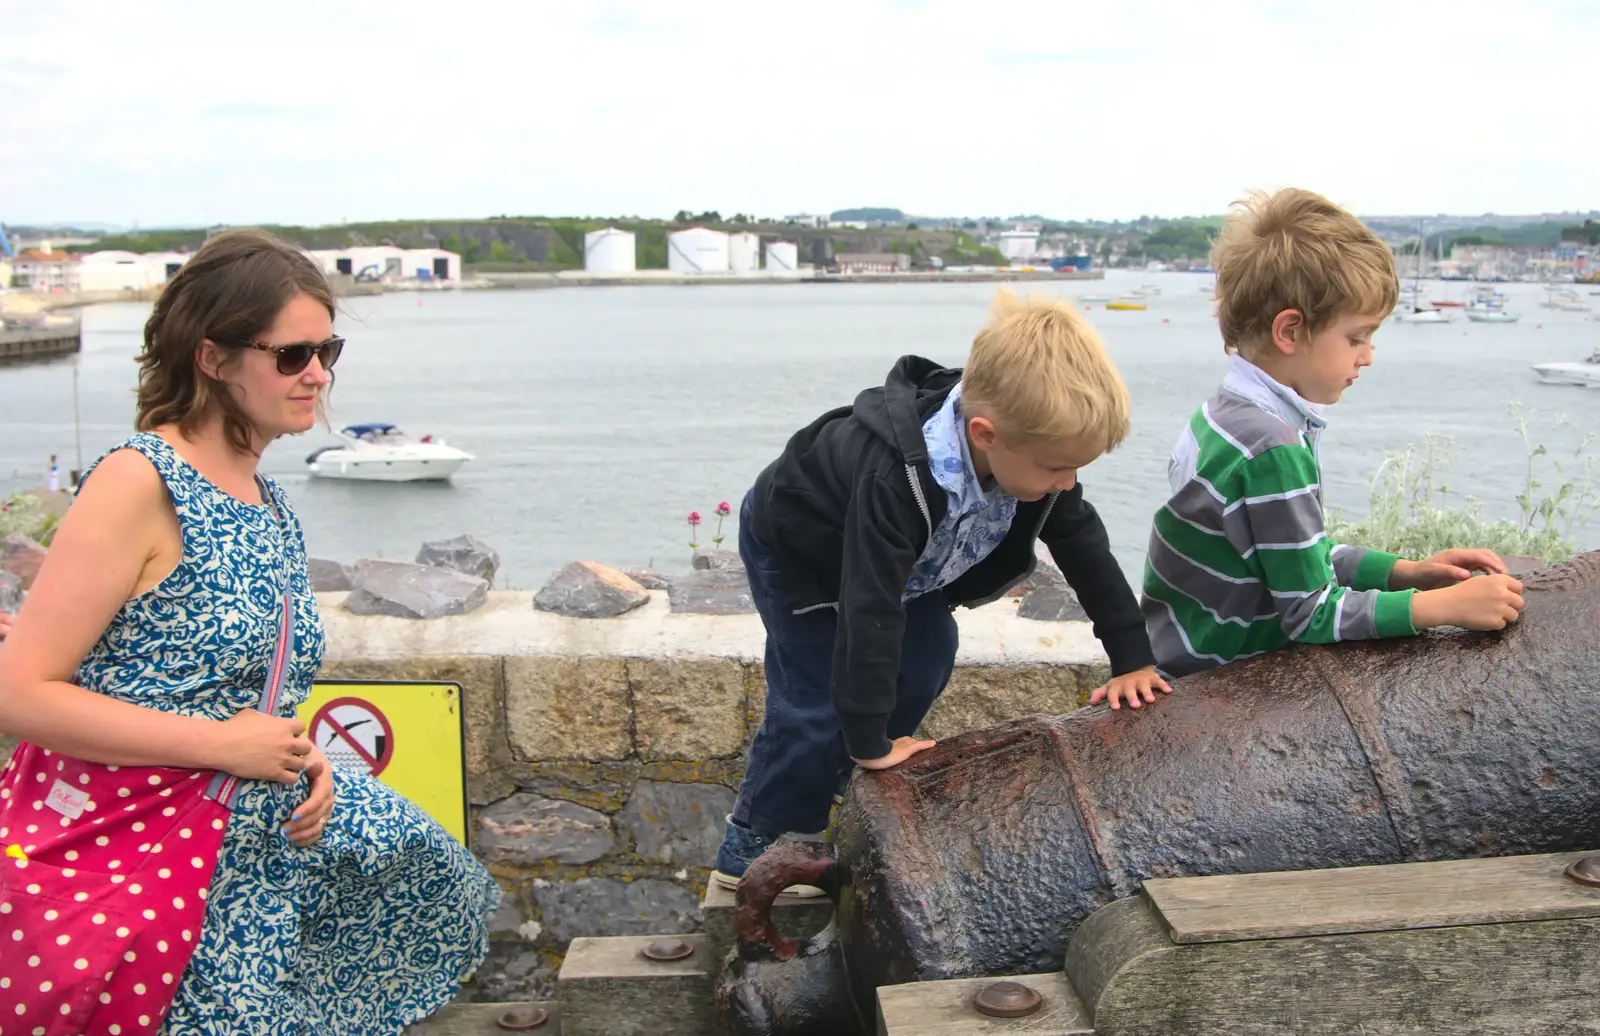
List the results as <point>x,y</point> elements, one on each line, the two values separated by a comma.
<point>600,418</point>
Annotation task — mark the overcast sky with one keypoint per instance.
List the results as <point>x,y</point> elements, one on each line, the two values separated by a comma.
<point>167,112</point>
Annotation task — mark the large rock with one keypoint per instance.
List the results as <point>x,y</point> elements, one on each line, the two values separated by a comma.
<point>466,554</point>
<point>10,592</point>
<point>21,556</point>
<point>586,590</point>
<point>687,709</point>
<point>716,591</point>
<point>413,591</point>
<point>1050,599</point>
<point>330,576</point>
<point>647,579</point>
<point>677,823</point>
<point>527,829</point>
<point>712,560</point>
<point>603,906</point>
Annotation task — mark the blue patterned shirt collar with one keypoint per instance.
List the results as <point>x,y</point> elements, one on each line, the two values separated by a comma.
<point>950,457</point>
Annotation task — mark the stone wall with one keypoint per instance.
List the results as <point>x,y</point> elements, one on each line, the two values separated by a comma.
<point>603,755</point>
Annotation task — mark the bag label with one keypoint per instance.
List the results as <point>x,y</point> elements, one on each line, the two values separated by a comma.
<point>67,800</point>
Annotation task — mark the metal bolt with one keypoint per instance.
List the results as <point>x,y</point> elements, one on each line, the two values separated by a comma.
<point>1585,871</point>
<point>521,1019</point>
<point>1007,1000</point>
<point>668,949</point>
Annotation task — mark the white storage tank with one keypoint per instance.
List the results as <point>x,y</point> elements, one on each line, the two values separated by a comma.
<point>609,251</point>
<point>744,253</point>
<point>783,257</point>
<point>697,250</point>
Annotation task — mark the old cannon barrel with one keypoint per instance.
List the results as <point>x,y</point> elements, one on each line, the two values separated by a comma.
<point>981,856</point>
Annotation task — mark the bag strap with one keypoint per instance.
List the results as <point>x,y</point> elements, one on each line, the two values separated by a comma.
<point>223,785</point>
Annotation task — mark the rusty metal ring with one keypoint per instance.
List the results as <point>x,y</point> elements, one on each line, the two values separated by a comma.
<point>1585,871</point>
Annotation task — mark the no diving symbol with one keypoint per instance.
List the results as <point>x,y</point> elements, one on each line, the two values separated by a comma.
<point>354,734</point>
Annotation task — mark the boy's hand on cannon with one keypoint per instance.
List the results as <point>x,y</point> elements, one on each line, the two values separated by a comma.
<point>1141,683</point>
<point>1446,568</point>
<point>901,749</point>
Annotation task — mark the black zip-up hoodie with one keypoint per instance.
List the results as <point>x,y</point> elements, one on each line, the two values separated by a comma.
<point>850,505</point>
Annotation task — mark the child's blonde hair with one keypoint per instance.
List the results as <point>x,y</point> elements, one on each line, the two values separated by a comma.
<point>1295,249</point>
<point>1040,372</point>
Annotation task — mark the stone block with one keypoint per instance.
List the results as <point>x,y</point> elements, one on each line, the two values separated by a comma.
<point>526,829</point>
<point>607,987</point>
<point>717,591</point>
<point>481,677</point>
<point>679,824</point>
<point>330,576</point>
<point>604,786</point>
<point>981,696</point>
<point>726,772</point>
<point>687,709</point>
<point>21,556</point>
<point>465,554</point>
<point>586,590</point>
<point>507,920</point>
<point>568,708</point>
<point>514,972</point>
<point>945,1008</point>
<point>413,591</point>
<point>607,906</point>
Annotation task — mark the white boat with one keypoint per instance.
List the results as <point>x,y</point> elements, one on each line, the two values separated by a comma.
<point>1490,315</point>
<point>1146,289</point>
<point>1422,316</point>
<point>1094,298</point>
<point>1586,373</point>
<point>383,453</point>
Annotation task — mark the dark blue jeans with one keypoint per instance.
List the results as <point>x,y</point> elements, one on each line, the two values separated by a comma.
<point>798,758</point>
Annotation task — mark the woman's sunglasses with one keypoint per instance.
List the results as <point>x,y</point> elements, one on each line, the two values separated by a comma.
<point>293,359</point>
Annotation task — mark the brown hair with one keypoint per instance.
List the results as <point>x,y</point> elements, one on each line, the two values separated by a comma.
<point>1040,372</point>
<point>1295,249</point>
<point>229,291</point>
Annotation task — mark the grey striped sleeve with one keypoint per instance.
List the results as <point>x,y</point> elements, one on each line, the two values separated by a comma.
<point>1346,560</point>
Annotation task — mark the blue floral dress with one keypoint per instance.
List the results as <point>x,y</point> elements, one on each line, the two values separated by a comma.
<point>365,932</point>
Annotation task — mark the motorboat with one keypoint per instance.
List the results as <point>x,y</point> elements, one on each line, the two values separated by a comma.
<point>1422,316</point>
<point>383,453</point>
<point>1586,373</point>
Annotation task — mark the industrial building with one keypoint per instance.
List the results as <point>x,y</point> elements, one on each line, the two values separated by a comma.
<point>744,253</point>
<point>390,263</point>
<point>610,251</point>
<point>698,250</point>
<point>783,257</point>
<point>115,271</point>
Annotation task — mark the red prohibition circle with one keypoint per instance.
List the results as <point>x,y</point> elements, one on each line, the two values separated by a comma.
<point>325,715</point>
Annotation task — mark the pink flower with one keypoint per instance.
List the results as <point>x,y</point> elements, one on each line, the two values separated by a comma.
<point>723,510</point>
<point>694,517</point>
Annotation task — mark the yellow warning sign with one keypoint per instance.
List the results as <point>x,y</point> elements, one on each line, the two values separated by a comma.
<point>410,736</point>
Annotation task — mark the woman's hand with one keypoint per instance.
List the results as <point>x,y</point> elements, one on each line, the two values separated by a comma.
<point>260,747</point>
<point>305,826</point>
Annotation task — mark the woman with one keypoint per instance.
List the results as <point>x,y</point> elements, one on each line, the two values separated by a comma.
<point>145,641</point>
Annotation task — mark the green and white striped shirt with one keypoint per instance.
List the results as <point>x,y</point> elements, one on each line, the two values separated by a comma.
<point>1240,562</point>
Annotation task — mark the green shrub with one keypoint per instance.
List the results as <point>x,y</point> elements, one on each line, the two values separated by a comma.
<point>1411,513</point>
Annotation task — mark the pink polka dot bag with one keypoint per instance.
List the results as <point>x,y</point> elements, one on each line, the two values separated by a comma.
<point>103,879</point>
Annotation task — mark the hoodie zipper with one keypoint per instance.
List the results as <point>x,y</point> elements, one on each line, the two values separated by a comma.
<point>922,501</point>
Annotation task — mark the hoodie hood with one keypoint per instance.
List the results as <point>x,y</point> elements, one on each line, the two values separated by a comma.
<point>895,413</point>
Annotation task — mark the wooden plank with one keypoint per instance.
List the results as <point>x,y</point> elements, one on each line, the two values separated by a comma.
<point>945,1009</point>
<point>1286,904</point>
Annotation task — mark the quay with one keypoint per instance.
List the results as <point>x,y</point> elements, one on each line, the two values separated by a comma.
<point>41,343</point>
<point>635,278</point>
